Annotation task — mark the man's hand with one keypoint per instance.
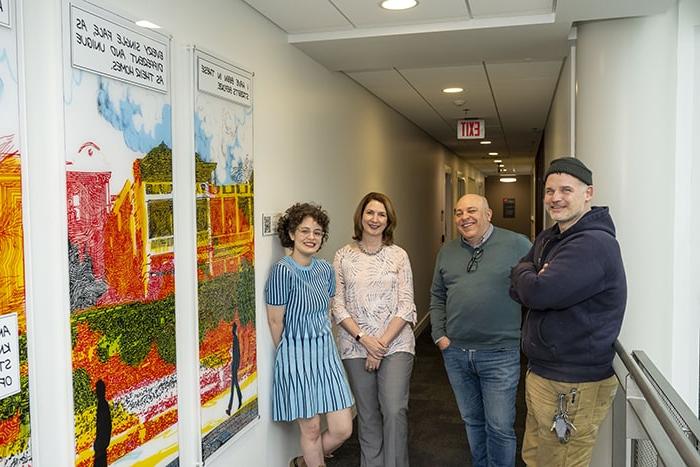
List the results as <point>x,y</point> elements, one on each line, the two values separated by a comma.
<point>443,343</point>
<point>544,268</point>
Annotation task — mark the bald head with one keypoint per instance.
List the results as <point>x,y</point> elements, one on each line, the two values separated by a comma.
<point>474,199</point>
<point>472,217</point>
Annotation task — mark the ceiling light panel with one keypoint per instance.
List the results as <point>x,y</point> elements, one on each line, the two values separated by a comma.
<point>144,23</point>
<point>368,13</point>
<point>302,16</point>
<point>398,5</point>
<point>490,8</point>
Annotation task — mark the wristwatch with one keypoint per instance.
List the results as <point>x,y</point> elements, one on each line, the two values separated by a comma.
<point>359,336</point>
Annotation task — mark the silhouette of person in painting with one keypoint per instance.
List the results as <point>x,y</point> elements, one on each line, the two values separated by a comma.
<point>103,425</point>
<point>235,363</point>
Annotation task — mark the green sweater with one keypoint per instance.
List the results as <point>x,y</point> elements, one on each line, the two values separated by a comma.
<point>474,310</point>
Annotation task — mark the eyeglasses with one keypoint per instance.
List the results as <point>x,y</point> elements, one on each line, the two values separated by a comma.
<point>305,232</point>
<point>474,261</point>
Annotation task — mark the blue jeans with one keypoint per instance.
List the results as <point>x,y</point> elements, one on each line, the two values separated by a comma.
<point>485,383</point>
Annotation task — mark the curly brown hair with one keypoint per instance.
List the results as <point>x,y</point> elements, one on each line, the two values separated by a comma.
<point>295,215</point>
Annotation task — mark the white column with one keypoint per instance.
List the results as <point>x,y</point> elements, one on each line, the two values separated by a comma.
<point>625,117</point>
<point>187,316</point>
<point>49,342</point>
<point>686,252</point>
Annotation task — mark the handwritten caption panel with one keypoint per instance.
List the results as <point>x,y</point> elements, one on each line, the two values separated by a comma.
<point>9,356</point>
<point>221,82</point>
<point>108,49</point>
<point>5,13</point>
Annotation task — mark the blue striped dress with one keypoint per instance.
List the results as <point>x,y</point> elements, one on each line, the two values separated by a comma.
<point>308,378</point>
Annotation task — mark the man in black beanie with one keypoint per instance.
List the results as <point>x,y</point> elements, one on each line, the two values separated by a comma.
<point>573,283</point>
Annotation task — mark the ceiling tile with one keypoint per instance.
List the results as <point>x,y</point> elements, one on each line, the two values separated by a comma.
<point>523,92</point>
<point>430,82</point>
<point>392,88</point>
<point>301,16</point>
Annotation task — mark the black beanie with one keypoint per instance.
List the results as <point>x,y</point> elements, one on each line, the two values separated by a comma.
<point>571,166</point>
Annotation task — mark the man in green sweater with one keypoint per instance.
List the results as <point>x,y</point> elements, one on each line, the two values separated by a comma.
<point>476,325</point>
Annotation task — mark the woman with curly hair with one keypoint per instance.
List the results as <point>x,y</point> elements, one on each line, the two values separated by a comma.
<point>308,376</point>
<point>375,308</point>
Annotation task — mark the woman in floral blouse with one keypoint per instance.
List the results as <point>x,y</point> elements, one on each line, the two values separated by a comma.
<point>375,308</point>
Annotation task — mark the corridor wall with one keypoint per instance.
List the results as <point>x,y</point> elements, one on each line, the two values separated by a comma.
<point>318,137</point>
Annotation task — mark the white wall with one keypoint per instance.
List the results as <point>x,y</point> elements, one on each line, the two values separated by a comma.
<point>557,134</point>
<point>686,327</point>
<point>318,136</point>
<point>634,129</point>
<point>559,137</point>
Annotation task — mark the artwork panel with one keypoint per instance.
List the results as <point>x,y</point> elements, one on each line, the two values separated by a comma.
<point>119,189</point>
<point>15,441</point>
<point>225,250</point>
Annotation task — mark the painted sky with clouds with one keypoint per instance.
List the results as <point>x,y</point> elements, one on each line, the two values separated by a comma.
<point>124,121</point>
<point>224,134</point>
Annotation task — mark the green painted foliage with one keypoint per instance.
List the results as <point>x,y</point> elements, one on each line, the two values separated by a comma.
<point>9,406</point>
<point>83,397</point>
<point>134,328</point>
<point>245,293</point>
<point>216,302</point>
<point>165,340</point>
<point>220,297</point>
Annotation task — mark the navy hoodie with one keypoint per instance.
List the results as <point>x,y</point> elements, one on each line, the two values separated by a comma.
<point>577,303</point>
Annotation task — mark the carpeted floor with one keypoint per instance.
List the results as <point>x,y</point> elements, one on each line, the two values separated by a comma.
<point>436,433</point>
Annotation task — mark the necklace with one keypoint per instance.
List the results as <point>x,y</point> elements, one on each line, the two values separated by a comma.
<point>367,252</point>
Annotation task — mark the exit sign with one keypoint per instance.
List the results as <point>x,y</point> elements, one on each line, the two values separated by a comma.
<point>471,129</point>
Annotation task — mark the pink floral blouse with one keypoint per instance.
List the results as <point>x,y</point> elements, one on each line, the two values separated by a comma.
<point>373,290</point>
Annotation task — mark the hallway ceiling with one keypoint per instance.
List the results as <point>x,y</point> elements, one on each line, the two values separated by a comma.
<point>506,54</point>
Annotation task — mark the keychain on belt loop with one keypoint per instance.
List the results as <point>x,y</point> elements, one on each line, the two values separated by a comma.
<point>561,425</point>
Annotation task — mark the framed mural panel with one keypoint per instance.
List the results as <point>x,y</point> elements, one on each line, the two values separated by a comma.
<point>15,443</point>
<point>119,186</point>
<point>223,122</point>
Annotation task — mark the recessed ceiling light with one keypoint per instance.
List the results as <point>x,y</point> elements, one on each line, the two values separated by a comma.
<point>452,90</point>
<point>493,154</point>
<point>147,24</point>
<point>398,4</point>
<point>485,142</point>
<point>508,179</point>
<point>501,165</point>
<point>497,161</point>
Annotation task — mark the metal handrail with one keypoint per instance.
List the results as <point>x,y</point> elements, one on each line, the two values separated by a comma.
<point>678,404</point>
<point>683,446</point>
